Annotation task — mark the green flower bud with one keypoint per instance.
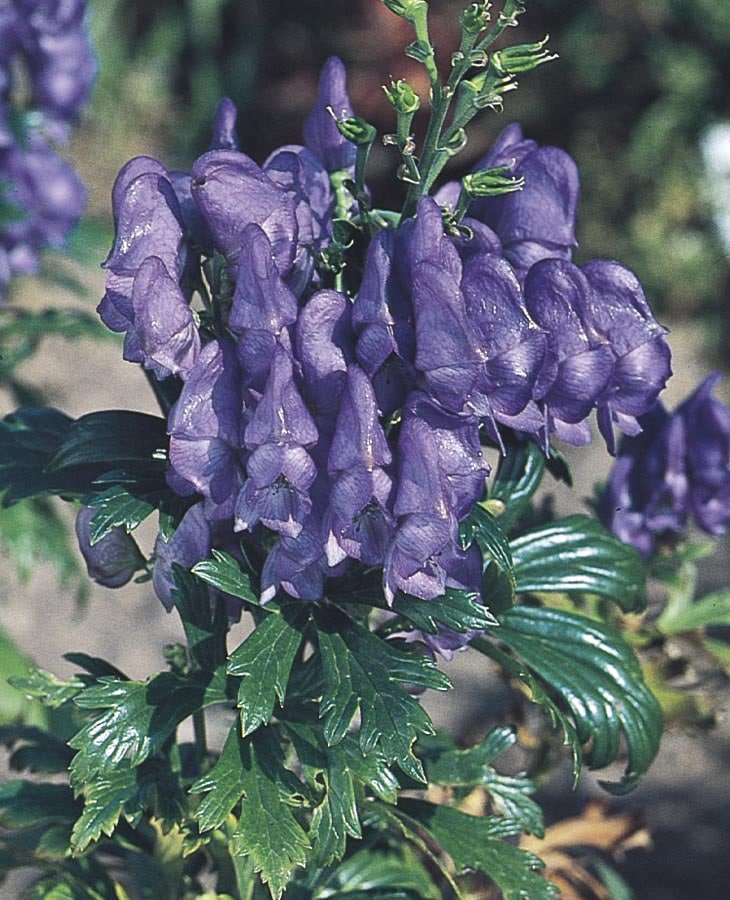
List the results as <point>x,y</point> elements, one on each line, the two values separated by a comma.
<point>475,18</point>
<point>491,182</point>
<point>402,96</point>
<point>356,130</point>
<point>522,58</point>
<point>406,9</point>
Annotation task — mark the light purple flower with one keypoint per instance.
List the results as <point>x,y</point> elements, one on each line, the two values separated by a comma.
<point>359,522</point>
<point>579,362</point>
<point>232,191</point>
<point>205,428</point>
<point>164,323</point>
<point>679,465</point>
<point>188,544</point>
<point>111,561</point>
<point>321,134</point>
<point>619,313</point>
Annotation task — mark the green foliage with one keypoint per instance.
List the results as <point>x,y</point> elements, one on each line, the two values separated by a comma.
<point>249,770</point>
<point>34,530</point>
<point>592,675</point>
<point>510,794</point>
<point>365,673</point>
<point>224,572</point>
<point>264,660</point>
<point>117,508</point>
<point>459,610</point>
<point>577,554</point>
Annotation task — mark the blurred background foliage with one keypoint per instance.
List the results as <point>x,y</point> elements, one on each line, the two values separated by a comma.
<point>640,97</point>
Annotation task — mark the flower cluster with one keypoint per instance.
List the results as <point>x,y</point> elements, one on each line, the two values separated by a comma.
<point>41,197</point>
<point>678,467</point>
<point>329,423</point>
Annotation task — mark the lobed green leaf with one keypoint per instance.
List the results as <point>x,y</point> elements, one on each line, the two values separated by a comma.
<point>475,842</point>
<point>366,673</point>
<point>577,554</point>
<point>596,677</point>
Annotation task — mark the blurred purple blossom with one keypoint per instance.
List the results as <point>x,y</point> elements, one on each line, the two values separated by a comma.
<point>679,466</point>
<point>113,560</point>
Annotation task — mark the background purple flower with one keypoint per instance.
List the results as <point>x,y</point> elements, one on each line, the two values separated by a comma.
<point>677,467</point>
<point>111,561</point>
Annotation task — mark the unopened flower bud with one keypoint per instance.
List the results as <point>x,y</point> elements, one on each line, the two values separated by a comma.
<point>356,130</point>
<point>402,97</point>
<point>522,58</point>
<point>491,182</point>
<point>476,17</point>
<point>406,9</point>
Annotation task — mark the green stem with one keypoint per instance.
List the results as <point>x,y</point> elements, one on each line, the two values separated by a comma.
<point>200,737</point>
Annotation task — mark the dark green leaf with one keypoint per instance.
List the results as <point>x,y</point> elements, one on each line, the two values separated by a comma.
<point>326,771</point>
<point>39,751</point>
<point>476,843</point>
<point>117,508</point>
<point>518,476</point>
<point>371,874</point>
<point>205,622</point>
<point>460,610</point>
<point>136,719</point>
<point>225,573</point>
<point>362,671</point>
<point>114,438</point>
<point>596,677</point>
<point>27,803</point>
<point>151,787</point>
<point>95,665</point>
<point>264,660</point>
<point>249,770</point>
<point>579,554</point>
<point>104,799</point>
<point>44,686</point>
<point>498,581</point>
<point>469,768</point>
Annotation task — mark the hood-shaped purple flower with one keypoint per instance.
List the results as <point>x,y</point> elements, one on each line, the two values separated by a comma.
<point>205,428</point>
<point>440,475</point>
<point>263,306</point>
<point>511,346</point>
<point>619,313</point>
<point>232,191</point>
<point>147,223</point>
<point>164,323</point>
<point>321,134</point>
<point>578,362</point>
<point>358,522</point>
<point>707,427</point>
<point>383,318</point>
<point>678,465</point>
<point>188,544</point>
<point>445,352</point>
<point>224,135</point>
<point>301,175</point>
<point>111,561</point>
<point>280,471</point>
<point>324,347</point>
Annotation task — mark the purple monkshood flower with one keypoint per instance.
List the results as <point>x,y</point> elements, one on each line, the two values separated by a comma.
<point>190,542</point>
<point>49,198</point>
<point>111,561</point>
<point>578,362</point>
<point>382,316</point>
<point>476,346</point>
<point>321,134</point>
<point>605,349</point>
<point>441,474</point>
<point>537,222</point>
<point>678,466</point>
<point>359,522</point>
<point>205,425</point>
<point>280,471</point>
<point>53,43</point>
